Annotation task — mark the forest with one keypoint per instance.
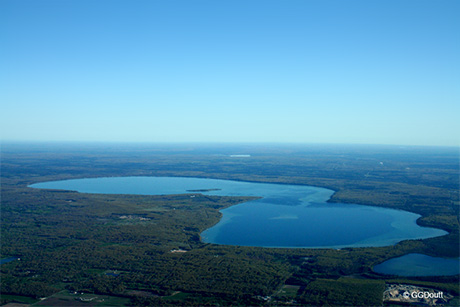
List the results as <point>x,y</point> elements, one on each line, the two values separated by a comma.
<point>95,249</point>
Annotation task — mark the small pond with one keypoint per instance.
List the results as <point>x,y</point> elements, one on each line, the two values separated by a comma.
<point>419,265</point>
<point>6,260</point>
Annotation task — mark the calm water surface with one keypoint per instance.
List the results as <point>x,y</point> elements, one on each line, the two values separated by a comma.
<point>286,216</point>
<point>6,260</point>
<point>419,265</point>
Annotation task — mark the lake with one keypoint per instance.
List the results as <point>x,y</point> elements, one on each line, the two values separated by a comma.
<point>419,265</point>
<point>9,259</point>
<point>293,216</point>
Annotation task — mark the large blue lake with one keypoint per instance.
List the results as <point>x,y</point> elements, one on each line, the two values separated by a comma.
<point>286,215</point>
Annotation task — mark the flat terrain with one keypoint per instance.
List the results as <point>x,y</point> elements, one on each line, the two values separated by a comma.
<point>146,250</point>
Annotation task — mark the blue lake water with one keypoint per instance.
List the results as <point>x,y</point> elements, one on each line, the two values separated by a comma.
<point>419,265</point>
<point>6,260</point>
<point>286,215</point>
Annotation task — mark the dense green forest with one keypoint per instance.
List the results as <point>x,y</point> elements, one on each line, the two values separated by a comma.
<point>146,250</point>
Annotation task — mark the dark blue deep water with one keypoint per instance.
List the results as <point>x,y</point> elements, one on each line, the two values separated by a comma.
<point>6,260</point>
<point>419,265</point>
<point>285,216</point>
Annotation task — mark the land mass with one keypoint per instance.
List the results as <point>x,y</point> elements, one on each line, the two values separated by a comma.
<point>71,242</point>
<point>203,190</point>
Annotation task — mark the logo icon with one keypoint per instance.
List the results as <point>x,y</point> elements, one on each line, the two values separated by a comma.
<point>406,294</point>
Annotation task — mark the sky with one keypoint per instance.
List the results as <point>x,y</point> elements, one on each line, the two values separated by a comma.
<point>310,71</point>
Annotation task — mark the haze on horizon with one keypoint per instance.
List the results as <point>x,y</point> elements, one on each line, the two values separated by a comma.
<point>368,72</point>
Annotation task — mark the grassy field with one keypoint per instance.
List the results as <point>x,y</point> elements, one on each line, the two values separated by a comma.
<point>69,298</point>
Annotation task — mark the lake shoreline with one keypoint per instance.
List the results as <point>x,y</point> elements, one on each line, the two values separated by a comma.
<point>353,233</point>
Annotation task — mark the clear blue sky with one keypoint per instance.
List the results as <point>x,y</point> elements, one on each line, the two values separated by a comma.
<point>378,72</point>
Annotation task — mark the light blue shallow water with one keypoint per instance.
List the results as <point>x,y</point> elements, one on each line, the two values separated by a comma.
<point>419,265</point>
<point>286,216</point>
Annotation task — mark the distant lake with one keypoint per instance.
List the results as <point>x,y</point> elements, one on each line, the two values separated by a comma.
<point>6,260</point>
<point>419,265</point>
<point>287,215</point>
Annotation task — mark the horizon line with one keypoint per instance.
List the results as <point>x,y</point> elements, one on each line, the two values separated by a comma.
<point>99,142</point>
